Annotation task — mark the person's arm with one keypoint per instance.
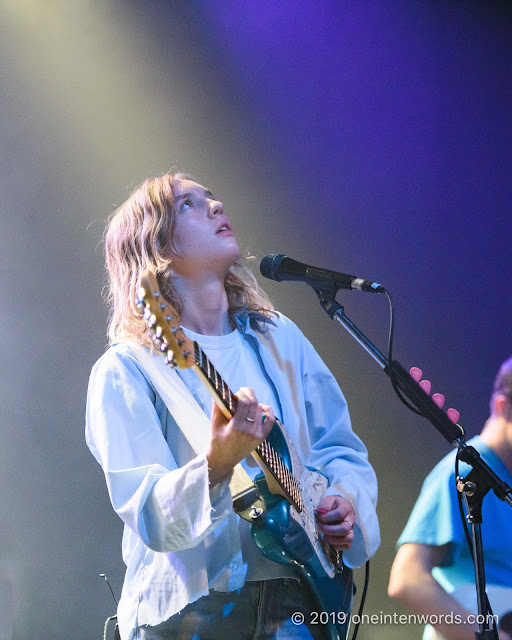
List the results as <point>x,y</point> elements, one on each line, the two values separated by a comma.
<point>411,583</point>
<point>170,507</point>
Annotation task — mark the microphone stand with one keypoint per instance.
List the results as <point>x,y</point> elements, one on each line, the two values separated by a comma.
<point>478,482</point>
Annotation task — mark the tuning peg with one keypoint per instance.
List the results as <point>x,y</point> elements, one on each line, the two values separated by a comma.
<point>169,318</point>
<point>149,317</point>
<point>175,330</point>
<point>156,294</point>
<point>156,338</point>
<point>158,331</point>
<point>169,358</point>
<point>162,306</point>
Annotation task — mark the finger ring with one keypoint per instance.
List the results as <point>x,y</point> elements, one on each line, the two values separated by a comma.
<point>250,420</point>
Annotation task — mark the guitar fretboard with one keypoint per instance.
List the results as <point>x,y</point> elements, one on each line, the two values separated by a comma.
<point>265,450</point>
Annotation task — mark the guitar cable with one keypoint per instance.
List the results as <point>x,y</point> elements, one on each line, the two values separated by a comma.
<point>392,377</point>
<point>110,619</point>
<point>363,599</point>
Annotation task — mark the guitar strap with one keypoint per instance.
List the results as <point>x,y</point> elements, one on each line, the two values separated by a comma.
<point>185,410</point>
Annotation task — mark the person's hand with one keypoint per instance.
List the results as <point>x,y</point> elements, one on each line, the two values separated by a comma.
<point>336,519</point>
<point>233,440</point>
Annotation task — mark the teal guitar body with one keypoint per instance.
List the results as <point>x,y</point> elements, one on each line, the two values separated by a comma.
<point>286,532</point>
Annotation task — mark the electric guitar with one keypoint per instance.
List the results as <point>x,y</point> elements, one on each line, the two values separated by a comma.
<point>281,506</point>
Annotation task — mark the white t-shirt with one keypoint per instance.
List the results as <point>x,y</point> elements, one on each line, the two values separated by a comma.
<point>238,365</point>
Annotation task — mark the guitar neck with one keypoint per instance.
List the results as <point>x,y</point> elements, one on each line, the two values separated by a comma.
<point>265,454</point>
<point>163,324</point>
<point>219,390</point>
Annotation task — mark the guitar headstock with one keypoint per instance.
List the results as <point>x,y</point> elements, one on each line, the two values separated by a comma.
<point>163,323</point>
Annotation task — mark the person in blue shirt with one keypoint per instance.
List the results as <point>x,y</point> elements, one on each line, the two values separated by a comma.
<point>433,573</point>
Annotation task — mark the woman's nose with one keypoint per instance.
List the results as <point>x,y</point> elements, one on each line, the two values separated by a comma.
<point>216,207</point>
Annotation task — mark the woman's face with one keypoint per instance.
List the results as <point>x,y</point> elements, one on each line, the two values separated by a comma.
<point>203,238</point>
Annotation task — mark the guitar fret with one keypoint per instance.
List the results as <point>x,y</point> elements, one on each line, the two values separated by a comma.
<point>267,452</point>
<point>204,363</point>
<point>281,472</point>
<point>217,382</point>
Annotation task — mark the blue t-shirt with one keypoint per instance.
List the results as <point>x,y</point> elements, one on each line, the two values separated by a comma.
<point>435,520</point>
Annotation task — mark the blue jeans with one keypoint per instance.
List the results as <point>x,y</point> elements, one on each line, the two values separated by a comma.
<point>260,610</point>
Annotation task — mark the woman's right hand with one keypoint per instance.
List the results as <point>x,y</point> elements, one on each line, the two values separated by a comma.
<point>233,440</point>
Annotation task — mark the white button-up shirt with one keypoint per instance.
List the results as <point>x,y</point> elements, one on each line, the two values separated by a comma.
<point>181,538</point>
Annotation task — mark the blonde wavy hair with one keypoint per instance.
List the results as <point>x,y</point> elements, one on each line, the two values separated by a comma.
<point>139,236</point>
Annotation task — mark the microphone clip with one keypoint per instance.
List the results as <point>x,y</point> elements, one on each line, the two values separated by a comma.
<point>321,281</point>
<point>325,289</point>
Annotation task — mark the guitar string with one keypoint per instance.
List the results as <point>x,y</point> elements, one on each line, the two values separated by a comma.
<point>269,455</point>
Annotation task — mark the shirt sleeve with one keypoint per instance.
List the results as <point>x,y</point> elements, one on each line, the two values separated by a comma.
<point>339,453</point>
<point>169,508</point>
<point>435,518</point>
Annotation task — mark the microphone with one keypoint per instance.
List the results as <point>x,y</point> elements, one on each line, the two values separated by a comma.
<point>281,267</point>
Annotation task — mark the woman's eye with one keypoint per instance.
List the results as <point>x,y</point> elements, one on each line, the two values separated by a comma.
<point>186,205</point>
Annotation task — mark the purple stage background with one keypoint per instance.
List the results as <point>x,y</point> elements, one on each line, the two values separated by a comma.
<point>367,137</point>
